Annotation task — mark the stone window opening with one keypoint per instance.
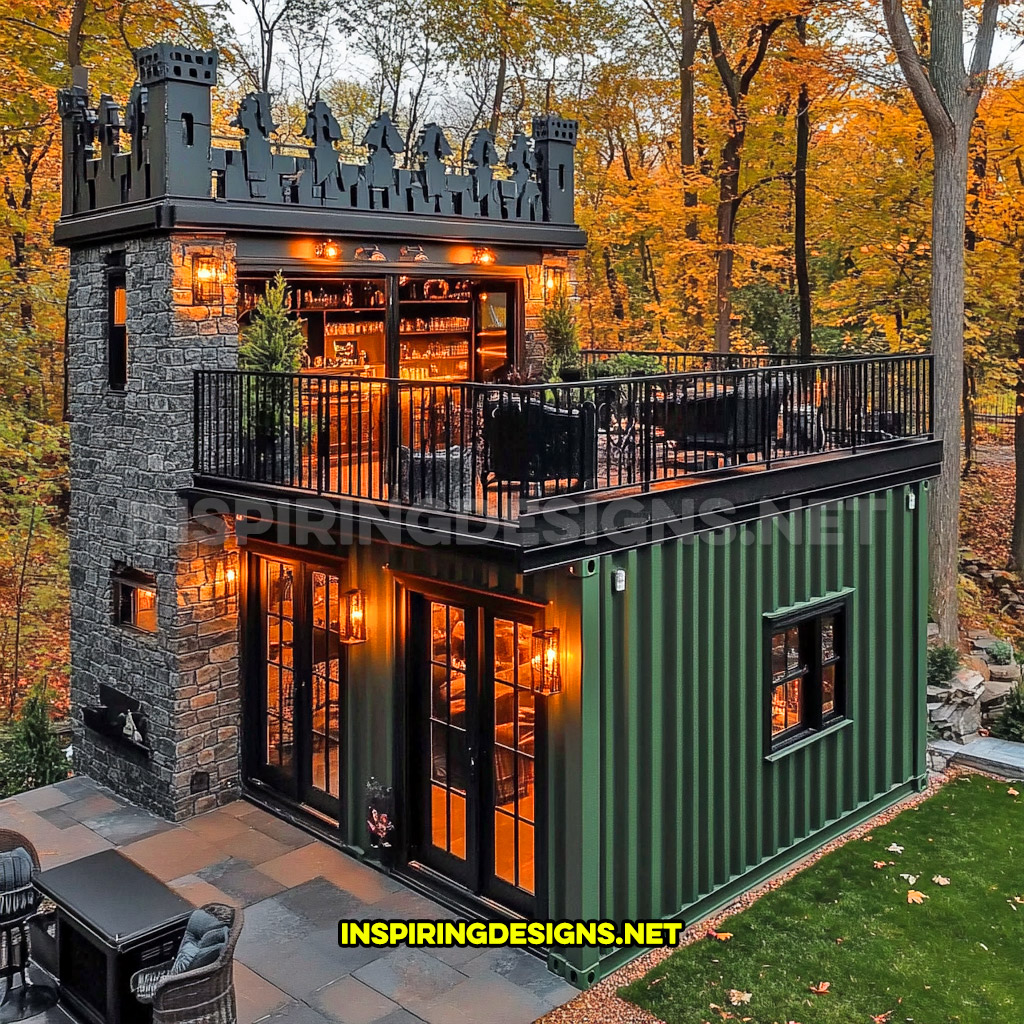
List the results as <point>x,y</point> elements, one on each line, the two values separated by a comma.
<point>135,599</point>
<point>117,322</point>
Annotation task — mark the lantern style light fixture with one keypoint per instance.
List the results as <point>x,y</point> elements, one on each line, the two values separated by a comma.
<point>546,661</point>
<point>414,253</point>
<point>225,585</point>
<point>207,280</point>
<point>353,622</point>
<point>554,282</point>
<point>328,249</point>
<point>483,256</point>
<point>371,254</point>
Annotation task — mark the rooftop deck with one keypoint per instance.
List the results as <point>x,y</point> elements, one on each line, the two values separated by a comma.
<point>288,966</point>
<point>498,461</point>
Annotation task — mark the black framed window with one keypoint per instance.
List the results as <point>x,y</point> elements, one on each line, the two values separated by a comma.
<point>806,656</point>
<point>117,323</point>
<point>135,599</point>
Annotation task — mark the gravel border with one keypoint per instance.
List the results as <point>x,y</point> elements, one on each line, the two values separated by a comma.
<point>601,1005</point>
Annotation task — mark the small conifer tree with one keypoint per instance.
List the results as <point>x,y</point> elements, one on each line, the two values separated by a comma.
<point>31,755</point>
<point>273,341</point>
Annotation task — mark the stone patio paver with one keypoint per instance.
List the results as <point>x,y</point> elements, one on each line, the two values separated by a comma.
<point>173,854</point>
<point>238,878</point>
<point>255,996</point>
<point>411,977</point>
<point>350,1000</point>
<point>289,968</point>
<point>487,998</point>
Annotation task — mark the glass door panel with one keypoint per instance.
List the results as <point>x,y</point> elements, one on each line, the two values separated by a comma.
<point>300,683</point>
<point>493,352</point>
<point>473,743</point>
<point>449,741</point>
<point>327,670</point>
<point>277,586</point>
<point>513,755</point>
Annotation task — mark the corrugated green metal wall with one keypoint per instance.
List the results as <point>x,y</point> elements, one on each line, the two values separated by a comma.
<point>661,796</point>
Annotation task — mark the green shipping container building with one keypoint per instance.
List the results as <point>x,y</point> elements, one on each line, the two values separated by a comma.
<point>611,648</point>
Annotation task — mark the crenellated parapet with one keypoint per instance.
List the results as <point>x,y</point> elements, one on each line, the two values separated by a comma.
<point>160,146</point>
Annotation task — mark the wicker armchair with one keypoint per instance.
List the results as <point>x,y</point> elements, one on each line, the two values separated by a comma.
<point>205,995</point>
<point>26,999</point>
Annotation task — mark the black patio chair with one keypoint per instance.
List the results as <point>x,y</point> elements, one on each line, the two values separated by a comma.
<point>732,422</point>
<point>19,902</point>
<point>530,442</point>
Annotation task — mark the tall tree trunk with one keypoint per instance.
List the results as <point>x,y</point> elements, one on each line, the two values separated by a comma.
<point>19,614</point>
<point>803,277</point>
<point>687,133</point>
<point>728,193</point>
<point>947,309</point>
<point>947,94</point>
<point>737,87</point>
<point>1017,535</point>
<point>499,92</point>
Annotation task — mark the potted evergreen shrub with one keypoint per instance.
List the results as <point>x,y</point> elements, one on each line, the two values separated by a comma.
<point>271,344</point>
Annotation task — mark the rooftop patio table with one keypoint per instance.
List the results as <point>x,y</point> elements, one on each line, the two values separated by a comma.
<point>113,919</point>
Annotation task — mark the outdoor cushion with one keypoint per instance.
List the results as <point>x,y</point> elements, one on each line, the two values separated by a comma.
<point>206,955</point>
<point>16,893</point>
<point>202,933</point>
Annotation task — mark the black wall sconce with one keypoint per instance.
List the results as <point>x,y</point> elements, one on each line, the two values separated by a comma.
<point>225,585</point>
<point>546,661</point>
<point>414,253</point>
<point>554,283</point>
<point>352,629</point>
<point>207,281</point>
<point>371,254</point>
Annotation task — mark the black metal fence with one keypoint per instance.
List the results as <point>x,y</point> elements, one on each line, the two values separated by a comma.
<point>487,450</point>
<point>678,361</point>
<point>999,409</point>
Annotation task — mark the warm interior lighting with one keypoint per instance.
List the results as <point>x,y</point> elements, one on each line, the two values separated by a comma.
<point>328,249</point>
<point>484,256</point>
<point>353,624</point>
<point>206,280</point>
<point>545,661</point>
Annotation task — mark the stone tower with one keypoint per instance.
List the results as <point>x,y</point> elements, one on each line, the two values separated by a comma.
<point>138,327</point>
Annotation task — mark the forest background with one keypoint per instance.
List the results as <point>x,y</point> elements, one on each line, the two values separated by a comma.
<point>751,173</point>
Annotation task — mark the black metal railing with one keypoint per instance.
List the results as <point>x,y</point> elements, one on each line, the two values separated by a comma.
<point>680,361</point>
<point>493,450</point>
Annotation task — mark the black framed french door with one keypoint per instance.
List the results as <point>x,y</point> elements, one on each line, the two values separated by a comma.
<point>471,729</point>
<point>298,682</point>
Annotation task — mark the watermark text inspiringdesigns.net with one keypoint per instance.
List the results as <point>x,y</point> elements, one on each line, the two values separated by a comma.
<point>513,933</point>
<point>318,522</point>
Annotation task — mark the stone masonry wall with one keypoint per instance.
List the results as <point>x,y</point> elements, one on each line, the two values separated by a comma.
<point>131,454</point>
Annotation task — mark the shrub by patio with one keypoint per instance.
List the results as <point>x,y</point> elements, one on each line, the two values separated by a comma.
<point>922,920</point>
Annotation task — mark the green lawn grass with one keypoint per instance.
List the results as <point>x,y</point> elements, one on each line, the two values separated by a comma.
<point>958,956</point>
